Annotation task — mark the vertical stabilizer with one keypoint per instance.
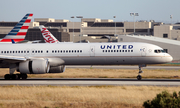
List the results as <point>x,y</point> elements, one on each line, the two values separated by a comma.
<point>48,37</point>
<point>18,33</point>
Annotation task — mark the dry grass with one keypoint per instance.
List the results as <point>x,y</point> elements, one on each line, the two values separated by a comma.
<point>106,73</point>
<point>96,96</point>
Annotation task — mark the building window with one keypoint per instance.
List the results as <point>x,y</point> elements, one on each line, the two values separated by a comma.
<point>165,35</point>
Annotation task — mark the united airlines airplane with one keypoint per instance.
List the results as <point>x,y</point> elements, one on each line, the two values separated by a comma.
<point>18,33</point>
<point>41,58</point>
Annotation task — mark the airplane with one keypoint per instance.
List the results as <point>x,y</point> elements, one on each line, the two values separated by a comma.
<point>18,33</point>
<point>41,58</point>
<point>48,37</point>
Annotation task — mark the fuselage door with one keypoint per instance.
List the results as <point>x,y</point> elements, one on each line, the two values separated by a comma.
<point>92,51</point>
<point>143,51</point>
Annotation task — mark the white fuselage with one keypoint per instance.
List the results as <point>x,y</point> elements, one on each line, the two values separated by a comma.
<point>90,53</point>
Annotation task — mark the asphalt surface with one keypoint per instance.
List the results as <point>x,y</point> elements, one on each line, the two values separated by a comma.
<point>97,81</point>
<point>124,67</point>
<point>91,82</point>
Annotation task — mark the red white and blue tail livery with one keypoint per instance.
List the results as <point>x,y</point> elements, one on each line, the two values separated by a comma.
<point>18,33</point>
<point>48,37</point>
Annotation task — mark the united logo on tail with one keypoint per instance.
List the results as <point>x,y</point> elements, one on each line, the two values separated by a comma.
<point>18,33</point>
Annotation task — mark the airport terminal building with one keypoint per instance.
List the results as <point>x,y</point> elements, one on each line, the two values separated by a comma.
<point>166,36</point>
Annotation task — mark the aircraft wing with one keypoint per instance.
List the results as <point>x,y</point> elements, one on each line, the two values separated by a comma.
<point>12,58</point>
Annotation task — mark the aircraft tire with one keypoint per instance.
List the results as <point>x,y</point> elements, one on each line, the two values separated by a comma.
<point>14,76</point>
<point>24,76</point>
<point>7,77</point>
<point>139,77</point>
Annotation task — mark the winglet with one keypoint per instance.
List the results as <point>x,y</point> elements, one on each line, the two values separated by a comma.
<point>48,37</point>
<point>18,33</point>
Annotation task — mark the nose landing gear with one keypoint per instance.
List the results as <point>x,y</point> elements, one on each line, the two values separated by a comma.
<point>140,71</point>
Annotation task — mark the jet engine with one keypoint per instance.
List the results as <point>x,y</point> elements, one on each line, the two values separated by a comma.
<point>57,69</point>
<point>34,67</point>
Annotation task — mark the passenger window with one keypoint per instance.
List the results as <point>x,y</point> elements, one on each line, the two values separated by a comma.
<point>1,51</point>
<point>46,51</point>
<point>7,51</point>
<point>81,51</point>
<point>77,50</point>
<point>21,51</point>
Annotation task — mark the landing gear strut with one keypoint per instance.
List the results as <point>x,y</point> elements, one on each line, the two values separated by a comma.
<point>140,71</point>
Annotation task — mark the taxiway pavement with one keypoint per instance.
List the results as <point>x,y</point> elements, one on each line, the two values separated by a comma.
<point>91,82</point>
<point>123,67</point>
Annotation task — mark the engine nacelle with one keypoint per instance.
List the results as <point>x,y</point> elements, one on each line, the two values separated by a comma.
<point>34,67</point>
<point>57,69</point>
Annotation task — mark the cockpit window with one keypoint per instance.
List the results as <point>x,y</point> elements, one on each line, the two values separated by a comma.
<point>159,51</point>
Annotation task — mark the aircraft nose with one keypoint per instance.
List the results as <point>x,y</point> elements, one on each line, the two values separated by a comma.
<point>169,58</point>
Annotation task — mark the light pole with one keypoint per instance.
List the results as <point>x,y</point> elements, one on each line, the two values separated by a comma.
<point>134,14</point>
<point>73,27</point>
<point>80,26</point>
<point>171,16</point>
<point>115,24</point>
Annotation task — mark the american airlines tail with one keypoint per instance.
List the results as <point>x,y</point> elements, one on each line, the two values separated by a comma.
<point>48,37</point>
<point>18,33</point>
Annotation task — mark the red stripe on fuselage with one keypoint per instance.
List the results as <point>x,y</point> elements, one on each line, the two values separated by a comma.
<point>9,40</point>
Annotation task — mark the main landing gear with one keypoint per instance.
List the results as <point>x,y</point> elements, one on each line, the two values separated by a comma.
<point>140,71</point>
<point>15,76</point>
<point>12,76</point>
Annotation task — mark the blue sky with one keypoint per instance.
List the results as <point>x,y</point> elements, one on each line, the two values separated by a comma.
<point>158,10</point>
